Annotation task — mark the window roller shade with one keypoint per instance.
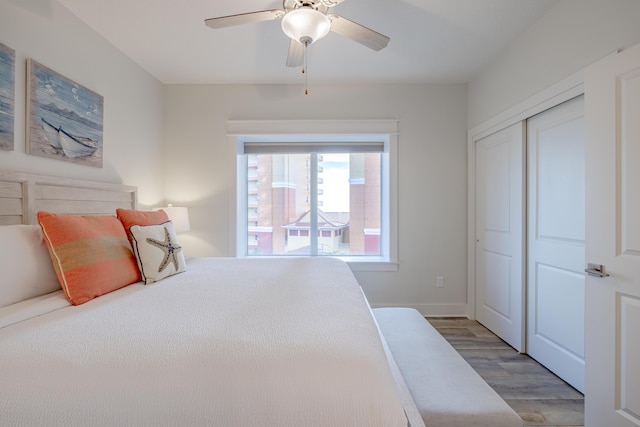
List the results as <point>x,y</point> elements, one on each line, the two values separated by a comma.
<point>313,147</point>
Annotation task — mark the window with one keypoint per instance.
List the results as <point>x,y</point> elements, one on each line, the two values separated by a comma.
<point>316,194</point>
<point>334,196</point>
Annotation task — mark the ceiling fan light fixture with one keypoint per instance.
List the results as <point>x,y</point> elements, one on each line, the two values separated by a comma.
<point>306,25</point>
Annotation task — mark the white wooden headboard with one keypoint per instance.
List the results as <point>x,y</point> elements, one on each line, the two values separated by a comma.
<point>23,195</point>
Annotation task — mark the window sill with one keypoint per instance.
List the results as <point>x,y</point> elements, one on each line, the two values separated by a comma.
<point>372,264</point>
<point>357,264</point>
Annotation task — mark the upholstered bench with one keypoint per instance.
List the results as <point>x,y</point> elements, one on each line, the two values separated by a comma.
<point>446,389</point>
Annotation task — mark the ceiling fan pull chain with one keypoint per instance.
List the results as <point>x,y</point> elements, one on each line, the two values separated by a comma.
<point>304,69</point>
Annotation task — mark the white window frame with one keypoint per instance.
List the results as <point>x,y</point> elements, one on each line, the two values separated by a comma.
<point>241,131</point>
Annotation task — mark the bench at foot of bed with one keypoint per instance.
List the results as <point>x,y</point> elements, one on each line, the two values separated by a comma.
<point>446,389</point>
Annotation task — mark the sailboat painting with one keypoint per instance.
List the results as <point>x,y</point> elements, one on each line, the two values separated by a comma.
<point>65,119</point>
<point>7,96</point>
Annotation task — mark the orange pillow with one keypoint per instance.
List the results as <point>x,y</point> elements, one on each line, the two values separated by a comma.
<point>130,217</point>
<point>90,254</point>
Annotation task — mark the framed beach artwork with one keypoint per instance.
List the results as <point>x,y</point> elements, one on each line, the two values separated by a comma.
<point>7,96</point>
<point>65,119</point>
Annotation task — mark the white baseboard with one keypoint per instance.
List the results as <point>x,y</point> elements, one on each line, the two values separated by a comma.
<point>433,310</point>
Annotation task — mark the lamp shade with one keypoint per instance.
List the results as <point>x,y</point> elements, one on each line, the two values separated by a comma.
<point>305,25</point>
<point>179,216</point>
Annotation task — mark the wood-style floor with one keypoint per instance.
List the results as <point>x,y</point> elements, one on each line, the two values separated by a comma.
<point>535,393</point>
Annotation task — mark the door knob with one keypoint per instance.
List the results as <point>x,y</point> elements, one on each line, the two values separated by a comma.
<point>596,270</point>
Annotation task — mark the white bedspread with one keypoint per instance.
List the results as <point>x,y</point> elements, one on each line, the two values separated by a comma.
<point>230,342</point>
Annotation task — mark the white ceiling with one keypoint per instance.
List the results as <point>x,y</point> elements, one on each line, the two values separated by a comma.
<point>432,41</point>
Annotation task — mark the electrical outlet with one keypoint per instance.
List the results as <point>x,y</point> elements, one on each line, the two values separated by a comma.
<point>439,282</point>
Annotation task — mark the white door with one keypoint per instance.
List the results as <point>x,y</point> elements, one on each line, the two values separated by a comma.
<point>612,116</point>
<point>500,233</point>
<point>556,240</point>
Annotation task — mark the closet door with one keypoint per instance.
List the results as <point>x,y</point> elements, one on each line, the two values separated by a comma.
<point>500,233</point>
<point>556,240</point>
<point>612,111</point>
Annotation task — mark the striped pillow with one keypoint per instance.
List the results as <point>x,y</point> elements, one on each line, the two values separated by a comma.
<point>91,254</point>
<point>129,217</point>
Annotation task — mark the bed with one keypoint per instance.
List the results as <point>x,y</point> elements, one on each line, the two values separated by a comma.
<point>227,342</point>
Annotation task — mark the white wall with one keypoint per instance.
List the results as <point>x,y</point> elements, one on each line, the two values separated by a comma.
<point>133,100</point>
<point>432,173</point>
<point>572,35</point>
<point>192,167</point>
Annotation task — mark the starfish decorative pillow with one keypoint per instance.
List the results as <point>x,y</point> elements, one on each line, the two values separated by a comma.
<point>157,251</point>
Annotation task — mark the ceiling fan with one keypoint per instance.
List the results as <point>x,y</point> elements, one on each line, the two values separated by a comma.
<point>305,22</point>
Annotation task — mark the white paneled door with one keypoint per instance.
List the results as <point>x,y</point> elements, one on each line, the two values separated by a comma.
<point>612,341</point>
<point>499,253</point>
<point>556,240</point>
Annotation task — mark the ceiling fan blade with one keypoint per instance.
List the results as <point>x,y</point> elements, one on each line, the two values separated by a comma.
<point>331,3</point>
<point>359,33</point>
<point>244,18</point>
<point>295,57</point>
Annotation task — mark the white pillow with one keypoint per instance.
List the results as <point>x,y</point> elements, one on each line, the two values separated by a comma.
<point>157,251</point>
<point>33,307</point>
<point>25,264</point>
